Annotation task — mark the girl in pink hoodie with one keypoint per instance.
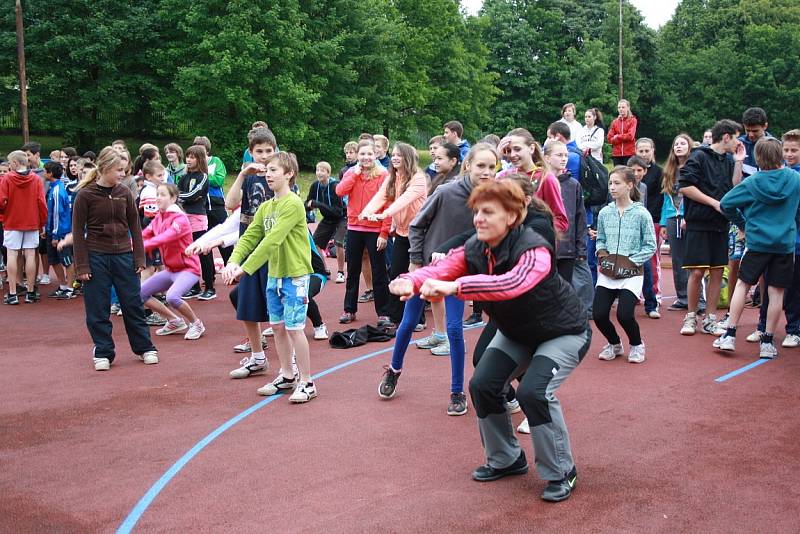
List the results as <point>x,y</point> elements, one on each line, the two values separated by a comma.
<point>171,232</point>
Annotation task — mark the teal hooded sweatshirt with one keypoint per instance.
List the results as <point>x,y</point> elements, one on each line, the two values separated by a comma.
<point>766,206</point>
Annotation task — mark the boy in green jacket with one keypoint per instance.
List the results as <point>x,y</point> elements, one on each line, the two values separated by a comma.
<point>278,235</point>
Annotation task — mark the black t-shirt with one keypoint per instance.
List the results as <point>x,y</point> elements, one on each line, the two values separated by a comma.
<point>655,199</point>
<point>711,173</point>
<point>255,192</point>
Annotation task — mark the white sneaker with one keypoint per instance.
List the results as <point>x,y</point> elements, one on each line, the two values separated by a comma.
<point>244,346</point>
<point>340,279</point>
<point>102,364</point>
<point>755,337</point>
<point>711,326</point>
<point>268,332</point>
<point>150,357</point>
<point>726,343</point>
<point>768,351</point>
<point>689,324</point>
<point>637,354</point>
<point>279,385</point>
<point>172,328</point>
<point>44,280</point>
<point>442,349</point>
<point>321,332</point>
<point>654,314</point>
<point>249,367</point>
<point>724,322</point>
<point>791,341</point>
<point>196,330</point>
<point>610,351</point>
<point>513,406</point>
<point>524,427</point>
<point>304,392</point>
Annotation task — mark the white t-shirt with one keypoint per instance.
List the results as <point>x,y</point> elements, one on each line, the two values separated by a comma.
<point>574,128</point>
<point>592,139</point>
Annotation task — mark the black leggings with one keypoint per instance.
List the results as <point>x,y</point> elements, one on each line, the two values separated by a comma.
<point>400,261</point>
<point>314,287</point>
<point>626,304</point>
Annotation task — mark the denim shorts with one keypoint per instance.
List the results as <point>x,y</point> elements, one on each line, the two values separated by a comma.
<point>735,244</point>
<point>287,301</point>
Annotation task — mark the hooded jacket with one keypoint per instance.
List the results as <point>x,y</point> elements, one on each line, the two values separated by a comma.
<point>766,207</point>
<point>622,136</point>
<point>360,190</point>
<point>105,221</point>
<point>573,241</point>
<point>631,234</point>
<point>171,232</point>
<point>22,201</point>
<point>59,211</point>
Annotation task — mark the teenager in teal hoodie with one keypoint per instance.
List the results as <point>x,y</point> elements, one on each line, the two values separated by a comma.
<point>766,207</point>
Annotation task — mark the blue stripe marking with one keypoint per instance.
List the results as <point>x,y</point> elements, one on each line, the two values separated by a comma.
<point>741,370</point>
<point>144,503</point>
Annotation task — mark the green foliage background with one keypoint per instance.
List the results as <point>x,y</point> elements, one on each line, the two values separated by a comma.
<point>322,71</point>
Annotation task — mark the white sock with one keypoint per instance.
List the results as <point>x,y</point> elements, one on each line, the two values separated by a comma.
<point>63,287</point>
<point>259,357</point>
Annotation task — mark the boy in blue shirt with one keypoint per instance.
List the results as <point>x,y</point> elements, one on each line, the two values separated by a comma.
<point>59,224</point>
<point>766,207</point>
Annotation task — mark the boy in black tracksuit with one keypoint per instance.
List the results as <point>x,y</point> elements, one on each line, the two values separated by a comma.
<point>322,196</point>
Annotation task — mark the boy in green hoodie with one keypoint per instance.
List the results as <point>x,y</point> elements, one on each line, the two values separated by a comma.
<point>279,235</point>
<point>766,207</point>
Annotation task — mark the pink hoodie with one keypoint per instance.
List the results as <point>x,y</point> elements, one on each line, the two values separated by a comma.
<point>404,208</point>
<point>171,232</point>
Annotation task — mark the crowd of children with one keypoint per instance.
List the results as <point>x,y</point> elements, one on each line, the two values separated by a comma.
<point>507,224</point>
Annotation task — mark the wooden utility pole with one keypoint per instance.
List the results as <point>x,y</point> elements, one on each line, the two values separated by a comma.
<point>621,93</point>
<point>23,81</point>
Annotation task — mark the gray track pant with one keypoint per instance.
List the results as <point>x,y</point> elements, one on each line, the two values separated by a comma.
<point>545,368</point>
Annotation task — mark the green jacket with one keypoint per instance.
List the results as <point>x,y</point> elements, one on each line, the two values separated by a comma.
<point>278,235</point>
<point>216,177</point>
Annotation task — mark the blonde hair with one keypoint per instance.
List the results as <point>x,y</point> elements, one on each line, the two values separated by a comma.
<point>19,157</point>
<point>141,148</point>
<point>107,159</point>
<point>369,142</point>
<point>325,165</point>
<point>478,147</point>
<point>288,162</point>
<point>551,145</point>
<point>351,145</point>
<point>381,140</point>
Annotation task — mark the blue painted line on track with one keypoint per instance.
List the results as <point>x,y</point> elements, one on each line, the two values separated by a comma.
<point>144,503</point>
<point>741,370</point>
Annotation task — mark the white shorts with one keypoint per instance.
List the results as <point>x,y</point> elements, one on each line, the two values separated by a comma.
<point>19,239</point>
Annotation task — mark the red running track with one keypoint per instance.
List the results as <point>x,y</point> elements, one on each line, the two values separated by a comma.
<point>660,447</point>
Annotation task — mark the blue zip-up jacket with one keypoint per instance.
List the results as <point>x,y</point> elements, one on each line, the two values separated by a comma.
<point>574,160</point>
<point>59,211</point>
<point>463,147</point>
<point>766,207</point>
<point>796,168</point>
<point>749,165</point>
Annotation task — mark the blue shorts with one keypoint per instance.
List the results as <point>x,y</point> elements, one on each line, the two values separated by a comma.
<point>252,304</point>
<point>287,301</point>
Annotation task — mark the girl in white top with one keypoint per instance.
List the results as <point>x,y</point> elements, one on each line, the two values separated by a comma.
<point>592,135</point>
<point>568,112</point>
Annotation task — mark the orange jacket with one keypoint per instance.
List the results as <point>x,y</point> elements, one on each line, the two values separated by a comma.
<point>622,136</point>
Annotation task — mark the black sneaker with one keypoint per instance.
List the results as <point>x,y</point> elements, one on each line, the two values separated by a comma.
<point>30,297</point>
<point>487,473</point>
<point>676,306</point>
<point>458,404</point>
<point>208,294</point>
<point>11,299</point>
<point>473,319</point>
<point>560,490</point>
<point>192,293</point>
<point>367,296</point>
<point>61,294</point>
<point>388,385</point>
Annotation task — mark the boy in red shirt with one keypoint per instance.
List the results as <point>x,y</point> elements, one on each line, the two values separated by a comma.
<point>24,216</point>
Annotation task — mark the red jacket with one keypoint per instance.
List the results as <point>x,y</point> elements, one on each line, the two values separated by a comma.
<point>171,232</point>
<point>622,136</point>
<point>361,189</point>
<point>22,201</point>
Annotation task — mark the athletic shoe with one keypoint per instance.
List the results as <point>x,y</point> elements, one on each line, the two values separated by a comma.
<point>102,364</point>
<point>419,328</point>
<point>192,293</point>
<point>689,324</point>
<point>724,322</point>
<point>115,309</point>
<point>150,357</point>
<point>431,341</point>
<point>711,326</point>
<point>30,297</point>
<point>267,332</point>
<point>208,294</point>
<point>678,306</point>
<point>637,354</point>
<point>755,337</point>
<point>653,314</point>
<point>768,351</point>
<point>44,280</point>
<point>791,341</point>
<point>321,332</point>
<point>487,473</point>
<point>367,296</point>
<point>196,330</point>
<point>726,343</point>
<point>513,406</point>
<point>242,347</point>
<point>11,299</point>
<point>560,490</point>
<point>347,318</point>
<point>119,313</point>
<point>443,349</point>
<point>57,293</point>
<point>524,427</point>
<point>154,320</point>
<point>383,320</point>
<point>249,367</point>
<point>340,279</point>
<point>458,404</point>
<point>388,384</point>
<point>473,319</point>
<point>279,385</point>
<point>172,327</point>
<point>610,352</point>
<point>304,392</point>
